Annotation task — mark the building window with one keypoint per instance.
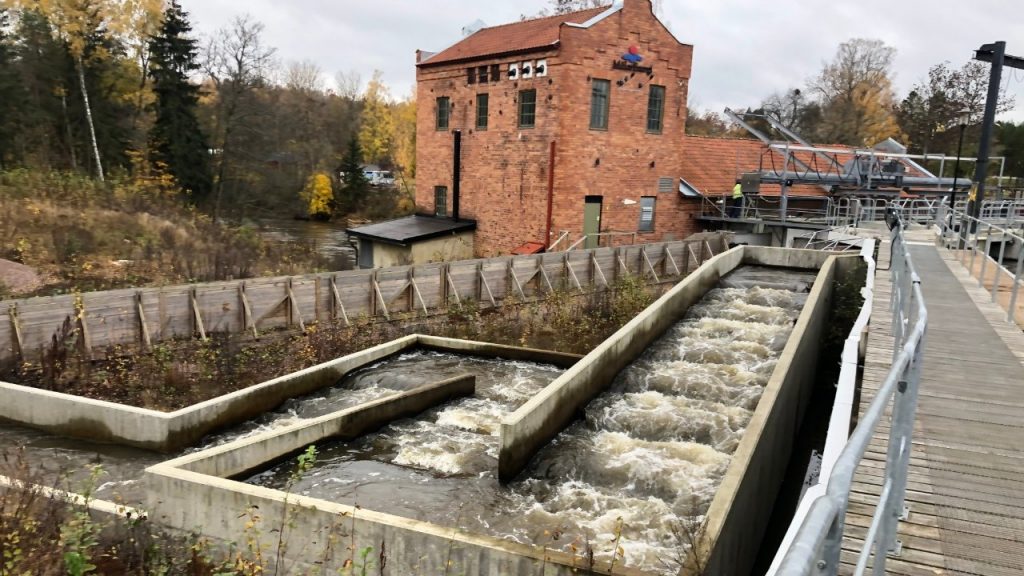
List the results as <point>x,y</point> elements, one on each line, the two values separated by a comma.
<point>527,108</point>
<point>495,72</point>
<point>471,75</point>
<point>481,72</point>
<point>655,108</point>
<point>646,214</point>
<point>444,110</point>
<point>440,200</point>
<point>599,93</point>
<point>481,111</point>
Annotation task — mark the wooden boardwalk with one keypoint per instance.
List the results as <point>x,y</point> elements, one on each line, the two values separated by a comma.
<point>966,483</point>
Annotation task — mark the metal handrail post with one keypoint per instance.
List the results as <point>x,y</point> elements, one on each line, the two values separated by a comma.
<point>974,245</point>
<point>984,255</point>
<point>999,266</point>
<point>1012,308</point>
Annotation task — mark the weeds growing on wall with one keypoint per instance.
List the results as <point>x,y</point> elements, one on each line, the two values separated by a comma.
<point>176,374</point>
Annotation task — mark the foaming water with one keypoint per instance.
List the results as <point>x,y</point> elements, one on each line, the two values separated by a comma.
<point>440,465</point>
<point>646,459</point>
<point>67,464</point>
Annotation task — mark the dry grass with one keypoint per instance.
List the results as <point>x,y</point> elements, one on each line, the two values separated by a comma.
<point>84,235</point>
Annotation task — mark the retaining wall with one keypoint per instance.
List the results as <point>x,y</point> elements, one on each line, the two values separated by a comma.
<point>148,315</point>
<point>739,513</point>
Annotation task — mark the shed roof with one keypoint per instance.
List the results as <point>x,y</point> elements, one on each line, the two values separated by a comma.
<point>525,36</point>
<point>712,165</point>
<point>403,231</point>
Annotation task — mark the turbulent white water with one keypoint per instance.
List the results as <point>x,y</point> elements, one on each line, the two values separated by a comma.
<point>646,459</point>
<point>649,455</point>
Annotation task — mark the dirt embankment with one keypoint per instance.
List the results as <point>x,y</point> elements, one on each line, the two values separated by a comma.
<point>17,278</point>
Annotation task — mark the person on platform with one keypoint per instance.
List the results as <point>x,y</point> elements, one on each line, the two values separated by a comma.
<point>736,209</point>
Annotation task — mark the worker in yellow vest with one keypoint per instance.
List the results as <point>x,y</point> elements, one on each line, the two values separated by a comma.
<point>737,201</point>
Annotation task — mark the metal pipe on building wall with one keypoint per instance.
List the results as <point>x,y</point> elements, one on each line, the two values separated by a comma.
<point>456,172</point>
<point>551,191</point>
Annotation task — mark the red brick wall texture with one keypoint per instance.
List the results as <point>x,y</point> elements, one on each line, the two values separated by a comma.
<point>505,168</point>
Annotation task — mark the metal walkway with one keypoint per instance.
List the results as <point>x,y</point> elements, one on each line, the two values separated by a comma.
<point>965,490</point>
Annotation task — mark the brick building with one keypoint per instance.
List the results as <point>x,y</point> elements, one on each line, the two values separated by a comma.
<point>582,112</point>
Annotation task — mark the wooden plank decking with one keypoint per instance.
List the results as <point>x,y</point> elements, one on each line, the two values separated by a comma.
<point>966,483</point>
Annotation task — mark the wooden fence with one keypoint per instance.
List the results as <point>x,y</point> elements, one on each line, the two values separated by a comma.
<point>147,315</point>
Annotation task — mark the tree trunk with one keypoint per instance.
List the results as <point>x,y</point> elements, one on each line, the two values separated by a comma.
<point>67,128</point>
<point>88,117</point>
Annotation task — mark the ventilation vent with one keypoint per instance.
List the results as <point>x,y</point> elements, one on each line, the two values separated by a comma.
<point>527,70</point>
<point>665,183</point>
<point>513,71</point>
<point>541,69</point>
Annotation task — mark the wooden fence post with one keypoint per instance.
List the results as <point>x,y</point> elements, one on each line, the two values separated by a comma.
<point>19,343</point>
<point>143,327</point>
<point>443,290</point>
<point>197,317</point>
<point>293,306</point>
<point>336,304</point>
<point>247,321</point>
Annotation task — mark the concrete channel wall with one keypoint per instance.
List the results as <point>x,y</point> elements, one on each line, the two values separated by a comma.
<point>77,417</point>
<point>739,513</point>
<point>538,421</point>
<point>196,493</point>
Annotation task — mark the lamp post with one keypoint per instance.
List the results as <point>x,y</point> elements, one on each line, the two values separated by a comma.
<point>962,120</point>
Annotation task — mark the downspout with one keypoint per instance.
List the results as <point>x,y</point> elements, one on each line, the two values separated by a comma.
<point>551,192</point>
<point>456,173</point>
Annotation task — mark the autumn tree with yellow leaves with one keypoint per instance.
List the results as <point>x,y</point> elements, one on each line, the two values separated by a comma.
<point>318,195</point>
<point>856,93</point>
<point>377,133</point>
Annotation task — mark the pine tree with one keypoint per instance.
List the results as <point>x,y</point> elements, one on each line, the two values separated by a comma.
<point>354,183</point>
<point>177,140</point>
<point>9,93</point>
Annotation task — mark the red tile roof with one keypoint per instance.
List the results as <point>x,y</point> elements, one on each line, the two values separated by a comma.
<point>524,36</point>
<point>712,165</point>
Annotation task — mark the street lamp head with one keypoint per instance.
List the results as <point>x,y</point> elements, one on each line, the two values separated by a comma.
<point>964,117</point>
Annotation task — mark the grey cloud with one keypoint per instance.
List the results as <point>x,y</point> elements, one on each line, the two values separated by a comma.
<point>744,50</point>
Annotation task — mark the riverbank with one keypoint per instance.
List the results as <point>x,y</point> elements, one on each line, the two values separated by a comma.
<point>78,235</point>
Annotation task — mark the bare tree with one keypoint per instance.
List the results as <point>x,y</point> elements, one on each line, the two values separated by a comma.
<point>349,84</point>
<point>304,76</point>
<point>238,63</point>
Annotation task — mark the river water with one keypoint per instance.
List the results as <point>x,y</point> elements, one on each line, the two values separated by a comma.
<point>328,238</point>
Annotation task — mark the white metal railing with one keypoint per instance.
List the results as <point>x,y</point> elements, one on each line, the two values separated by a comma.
<point>958,231</point>
<point>598,236</point>
<point>561,238</point>
<point>818,541</point>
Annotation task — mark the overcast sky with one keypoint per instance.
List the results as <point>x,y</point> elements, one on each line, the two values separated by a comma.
<point>744,50</point>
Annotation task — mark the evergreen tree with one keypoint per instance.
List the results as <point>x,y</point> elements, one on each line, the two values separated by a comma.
<point>10,94</point>
<point>354,183</point>
<point>177,140</point>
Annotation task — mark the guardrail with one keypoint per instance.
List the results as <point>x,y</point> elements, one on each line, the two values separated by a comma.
<point>818,542</point>
<point>959,231</point>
